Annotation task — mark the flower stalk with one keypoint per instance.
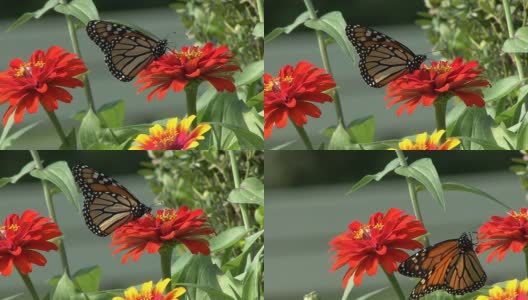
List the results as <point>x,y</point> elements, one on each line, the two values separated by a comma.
<point>394,284</point>
<point>165,259</point>
<point>236,179</point>
<point>326,62</point>
<point>75,43</point>
<point>412,193</point>
<point>51,211</point>
<point>304,136</point>
<point>440,115</point>
<point>525,250</point>
<point>29,285</point>
<point>58,127</point>
<point>191,93</point>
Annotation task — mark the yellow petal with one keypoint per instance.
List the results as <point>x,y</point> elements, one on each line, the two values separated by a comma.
<point>193,144</point>
<point>523,287</point>
<point>435,137</point>
<point>450,144</point>
<point>118,298</point>
<point>511,286</point>
<point>156,130</point>
<point>142,139</point>
<point>172,124</point>
<point>131,293</point>
<point>186,123</point>
<point>146,289</point>
<point>201,129</point>
<point>136,148</point>
<point>495,291</point>
<point>482,298</point>
<point>421,139</point>
<point>160,286</point>
<point>174,294</point>
<point>406,144</point>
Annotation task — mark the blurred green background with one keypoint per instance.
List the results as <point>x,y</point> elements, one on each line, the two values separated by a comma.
<point>84,249</point>
<point>395,18</point>
<point>307,205</point>
<point>154,16</point>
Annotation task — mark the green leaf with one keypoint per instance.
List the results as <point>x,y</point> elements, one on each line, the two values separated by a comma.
<point>424,171</point>
<point>247,140</point>
<point>251,191</point>
<point>13,297</point>
<point>13,179</point>
<point>258,31</point>
<point>259,216</point>
<point>71,141</point>
<point>65,289</point>
<point>371,294</point>
<point>502,88</point>
<point>334,25</point>
<point>36,14</point>
<point>522,135</point>
<point>89,131</point>
<point>284,145</point>
<point>257,101</point>
<point>340,139</point>
<point>250,73</point>
<point>362,130</point>
<point>519,42</point>
<point>60,175</point>
<point>83,10</point>
<point>453,186</point>
<point>5,140</point>
<point>227,238</point>
<point>378,176</point>
<point>88,278</point>
<point>280,30</point>
<point>251,280</point>
<point>348,289</point>
<point>248,248</point>
<point>474,123</point>
<point>504,137</point>
<point>113,113</point>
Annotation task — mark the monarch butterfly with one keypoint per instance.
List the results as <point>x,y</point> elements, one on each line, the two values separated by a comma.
<point>450,265</point>
<point>381,59</point>
<point>107,204</point>
<point>127,51</point>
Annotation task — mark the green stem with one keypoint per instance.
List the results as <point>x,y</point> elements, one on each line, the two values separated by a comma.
<point>166,257</point>
<point>236,179</point>
<point>77,50</point>
<point>260,9</point>
<point>58,127</point>
<point>29,285</point>
<point>51,211</point>
<point>304,136</point>
<point>526,259</point>
<point>440,115</point>
<point>511,33</point>
<point>191,93</point>
<point>395,285</point>
<point>326,62</point>
<point>412,193</point>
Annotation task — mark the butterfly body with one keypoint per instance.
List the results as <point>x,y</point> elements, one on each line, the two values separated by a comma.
<point>127,51</point>
<point>381,58</point>
<point>107,204</point>
<point>451,265</point>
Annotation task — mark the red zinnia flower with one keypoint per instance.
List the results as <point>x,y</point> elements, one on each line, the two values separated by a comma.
<point>21,236</point>
<point>365,246</point>
<point>504,233</point>
<point>176,69</point>
<point>290,94</point>
<point>423,86</point>
<point>41,79</point>
<point>169,226</point>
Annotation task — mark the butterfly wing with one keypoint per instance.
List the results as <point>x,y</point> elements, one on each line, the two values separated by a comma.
<point>465,274</point>
<point>127,51</point>
<point>107,204</point>
<point>381,59</point>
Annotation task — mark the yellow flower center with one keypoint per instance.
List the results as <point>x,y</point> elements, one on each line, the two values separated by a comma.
<point>191,53</point>
<point>442,67</point>
<point>13,227</point>
<point>519,216</point>
<point>25,69</point>
<point>167,215</point>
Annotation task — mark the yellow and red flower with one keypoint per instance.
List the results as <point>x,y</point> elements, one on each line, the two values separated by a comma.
<point>513,291</point>
<point>148,292</point>
<point>20,236</point>
<point>425,85</point>
<point>40,80</point>
<point>289,95</point>
<point>504,233</point>
<point>192,64</point>
<point>177,136</point>
<point>431,143</point>
<point>168,227</point>
<point>379,242</point>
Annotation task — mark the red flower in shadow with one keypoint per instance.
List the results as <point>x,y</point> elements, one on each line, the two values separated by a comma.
<point>379,242</point>
<point>167,227</point>
<point>40,80</point>
<point>193,64</point>
<point>425,85</point>
<point>290,94</point>
<point>20,236</point>
<point>503,234</point>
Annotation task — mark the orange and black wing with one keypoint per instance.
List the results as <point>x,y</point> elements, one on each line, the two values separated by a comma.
<point>107,204</point>
<point>127,51</point>
<point>381,59</point>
